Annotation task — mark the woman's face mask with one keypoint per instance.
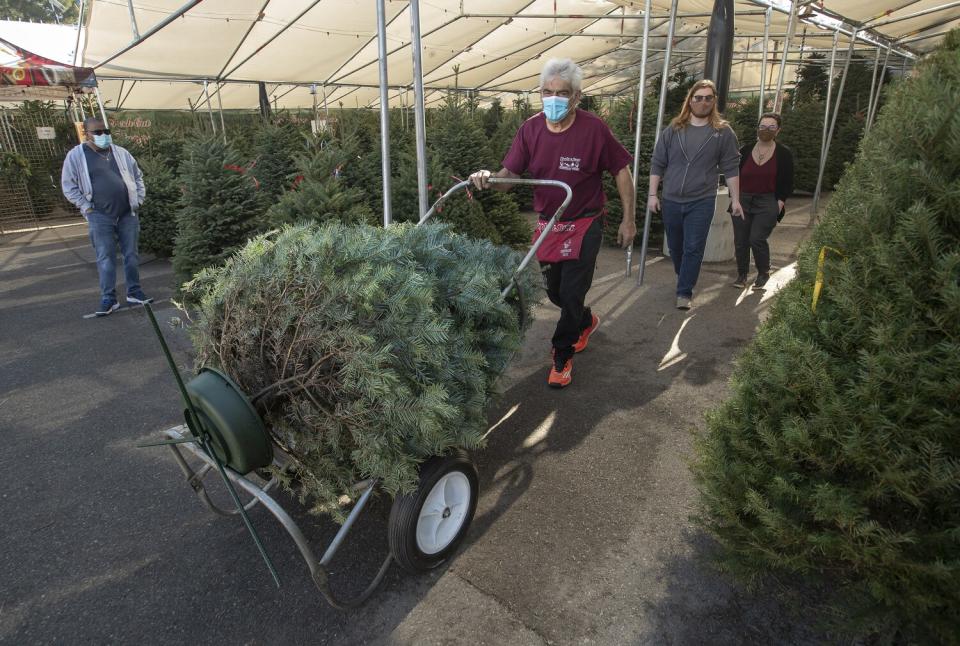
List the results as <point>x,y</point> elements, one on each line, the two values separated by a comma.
<point>555,108</point>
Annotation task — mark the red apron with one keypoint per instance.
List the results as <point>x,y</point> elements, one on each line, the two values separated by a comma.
<point>564,241</point>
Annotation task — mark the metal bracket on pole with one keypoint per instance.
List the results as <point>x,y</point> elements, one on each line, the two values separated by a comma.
<point>641,267</point>
<point>833,123</point>
<point>419,117</point>
<point>641,86</point>
<point>384,111</point>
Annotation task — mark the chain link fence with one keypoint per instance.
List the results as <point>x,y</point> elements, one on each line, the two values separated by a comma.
<point>34,139</point>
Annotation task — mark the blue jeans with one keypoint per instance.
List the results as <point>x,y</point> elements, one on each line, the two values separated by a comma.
<point>105,232</point>
<point>687,225</point>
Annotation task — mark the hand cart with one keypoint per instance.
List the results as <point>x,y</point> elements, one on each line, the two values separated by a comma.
<point>223,433</point>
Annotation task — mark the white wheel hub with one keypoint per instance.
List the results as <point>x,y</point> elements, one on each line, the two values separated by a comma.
<point>443,513</point>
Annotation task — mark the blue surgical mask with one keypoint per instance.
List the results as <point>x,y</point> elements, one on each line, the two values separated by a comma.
<point>102,141</point>
<point>555,108</point>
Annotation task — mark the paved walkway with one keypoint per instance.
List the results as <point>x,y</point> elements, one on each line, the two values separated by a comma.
<point>582,535</point>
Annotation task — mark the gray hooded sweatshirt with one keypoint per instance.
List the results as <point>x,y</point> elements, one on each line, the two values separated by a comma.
<point>689,161</point>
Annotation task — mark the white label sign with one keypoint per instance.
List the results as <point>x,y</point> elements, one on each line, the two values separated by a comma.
<point>46,132</point>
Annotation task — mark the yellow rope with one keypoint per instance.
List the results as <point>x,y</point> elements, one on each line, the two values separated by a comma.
<point>818,285</point>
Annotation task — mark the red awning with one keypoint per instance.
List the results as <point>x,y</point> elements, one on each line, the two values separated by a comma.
<point>25,75</point>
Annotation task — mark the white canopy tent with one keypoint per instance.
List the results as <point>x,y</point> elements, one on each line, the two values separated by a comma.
<point>494,46</point>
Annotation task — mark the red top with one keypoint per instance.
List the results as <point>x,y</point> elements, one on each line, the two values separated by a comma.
<point>759,179</point>
<point>577,156</point>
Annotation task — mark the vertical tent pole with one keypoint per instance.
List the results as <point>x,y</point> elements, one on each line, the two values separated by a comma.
<point>641,266</point>
<point>873,88</point>
<point>833,123</point>
<point>103,113</point>
<point>316,115</point>
<point>419,116</point>
<point>384,111</point>
<point>641,86</point>
<point>876,99</point>
<point>763,66</point>
<point>326,111</point>
<point>206,93</point>
<point>223,126</point>
<point>827,105</point>
<point>791,27</point>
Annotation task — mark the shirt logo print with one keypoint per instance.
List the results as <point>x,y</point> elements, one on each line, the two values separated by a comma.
<point>570,163</point>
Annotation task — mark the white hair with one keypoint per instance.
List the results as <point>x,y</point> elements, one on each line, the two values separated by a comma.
<point>563,69</point>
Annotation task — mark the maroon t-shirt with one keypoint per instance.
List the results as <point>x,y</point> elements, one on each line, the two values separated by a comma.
<point>577,156</point>
<point>758,179</point>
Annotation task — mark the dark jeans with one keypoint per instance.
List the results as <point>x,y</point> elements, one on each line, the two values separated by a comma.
<point>760,212</point>
<point>687,225</point>
<point>567,284</point>
<point>105,232</point>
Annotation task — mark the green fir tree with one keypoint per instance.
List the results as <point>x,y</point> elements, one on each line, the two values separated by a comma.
<point>221,207</point>
<point>837,458</point>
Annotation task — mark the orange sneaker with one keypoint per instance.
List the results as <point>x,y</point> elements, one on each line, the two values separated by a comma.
<point>581,343</point>
<point>561,378</point>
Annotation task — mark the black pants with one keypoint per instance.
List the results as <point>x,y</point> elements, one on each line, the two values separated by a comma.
<point>567,285</point>
<point>760,211</point>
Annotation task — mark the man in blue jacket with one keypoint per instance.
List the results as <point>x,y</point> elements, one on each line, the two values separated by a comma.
<point>105,183</point>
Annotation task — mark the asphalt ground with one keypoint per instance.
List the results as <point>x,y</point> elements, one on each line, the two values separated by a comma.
<point>583,532</point>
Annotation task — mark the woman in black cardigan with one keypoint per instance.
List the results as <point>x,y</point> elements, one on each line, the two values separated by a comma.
<point>766,181</point>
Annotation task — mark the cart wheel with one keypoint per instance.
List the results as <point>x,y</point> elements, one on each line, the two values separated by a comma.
<point>427,525</point>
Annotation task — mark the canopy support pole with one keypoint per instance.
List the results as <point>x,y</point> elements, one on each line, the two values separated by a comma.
<point>206,93</point>
<point>763,65</point>
<point>641,266</point>
<point>641,86</point>
<point>133,21</point>
<point>873,89</point>
<point>420,120</point>
<point>384,111</point>
<point>833,123</point>
<point>827,103</point>
<point>872,113</point>
<point>223,126</point>
<point>103,113</point>
<point>160,25</point>
<point>791,28</point>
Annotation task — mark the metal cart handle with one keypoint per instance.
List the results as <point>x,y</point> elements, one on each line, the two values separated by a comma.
<point>509,180</point>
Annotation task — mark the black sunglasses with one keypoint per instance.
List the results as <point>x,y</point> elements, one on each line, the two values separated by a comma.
<point>105,131</point>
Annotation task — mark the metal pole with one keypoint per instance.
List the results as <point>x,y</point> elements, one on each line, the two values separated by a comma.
<point>206,93</point>
<point>160,25</point>
<point>833,123</point>
<point>826,114</point>
<point>223,126</point>
<point>876,99</point>
<point>384,111</point>
<point>103,113</point>
<point>873,86</point>
<point>763,66</point>
<point>791,27</point>
<point>420,121</point>
<point>76,47</point>
<point>636,143</point>
<point>316,115</point>
<point>133,21</point>
<point>663,103</point>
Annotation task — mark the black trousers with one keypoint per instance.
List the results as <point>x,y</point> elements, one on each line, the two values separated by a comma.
<point>567,284</point>
<point>760,211</point>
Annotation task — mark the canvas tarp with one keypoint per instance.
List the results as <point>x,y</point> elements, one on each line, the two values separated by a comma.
<point>495,46</point>
<point>25,75</point>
